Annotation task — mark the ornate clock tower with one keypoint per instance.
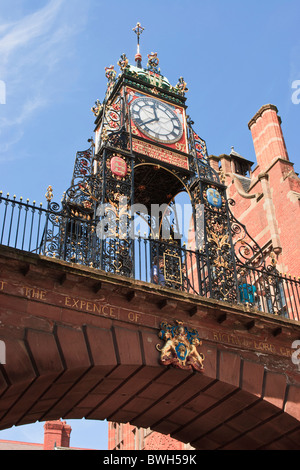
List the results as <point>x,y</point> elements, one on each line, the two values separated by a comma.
<point>120,212</point>
<point>145,152</point>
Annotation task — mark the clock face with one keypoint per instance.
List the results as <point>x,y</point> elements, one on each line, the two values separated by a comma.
<point>156,119</point>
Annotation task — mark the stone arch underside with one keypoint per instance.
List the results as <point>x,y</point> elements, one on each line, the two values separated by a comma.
<point>113,374</point>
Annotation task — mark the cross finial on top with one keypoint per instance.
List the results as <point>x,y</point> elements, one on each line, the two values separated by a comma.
<point>138,29</point>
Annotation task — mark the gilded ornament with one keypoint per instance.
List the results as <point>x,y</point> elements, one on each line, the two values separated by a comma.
<point>96,108</point>
<point>181,86</point>
<point>104,135</point>
<point>110,73</point>
<point>153,62</point>
<point>123,62</point>
<point>220,242</point>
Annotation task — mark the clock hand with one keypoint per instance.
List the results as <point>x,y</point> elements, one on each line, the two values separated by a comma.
<point>155,113</point>
<point>150,120</point>
<point>153,110</point>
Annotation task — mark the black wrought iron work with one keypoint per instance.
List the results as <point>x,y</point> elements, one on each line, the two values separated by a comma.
<point>211,223</point>
<point>213,237</point>
<point>112,217</point>
<point>86,185</point>
<point>259,282</point>
<point>22,223</point>
<point>53,233</point>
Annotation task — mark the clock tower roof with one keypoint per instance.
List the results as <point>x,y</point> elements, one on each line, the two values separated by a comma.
<point>144,74</point>
<point>148,78</point>
<point>145,78</point>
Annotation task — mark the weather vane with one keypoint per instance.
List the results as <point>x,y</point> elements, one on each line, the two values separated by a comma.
<point>138,29</point>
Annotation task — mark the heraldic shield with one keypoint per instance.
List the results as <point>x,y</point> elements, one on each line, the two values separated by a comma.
<point>180,348</point>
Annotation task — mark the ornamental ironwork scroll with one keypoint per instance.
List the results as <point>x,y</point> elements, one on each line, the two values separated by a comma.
<point>180,348</point>
<point>259,283</point>
<point>80,197</point>
<point>112,129</point>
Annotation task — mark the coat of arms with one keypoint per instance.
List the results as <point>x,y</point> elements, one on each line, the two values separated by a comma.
<point>118,166</point>
<point>180,348</point>
<point>214,197</point>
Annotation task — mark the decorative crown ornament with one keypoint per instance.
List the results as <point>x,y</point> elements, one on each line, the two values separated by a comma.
<point>180,348</point>
<point>153,62</point>
<point>110,73</point>
<point>96,108</point>
<point>123,62</point>
<point>181,86</point>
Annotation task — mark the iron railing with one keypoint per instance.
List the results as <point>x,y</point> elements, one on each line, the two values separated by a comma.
<point>73,237</point>
<point>22,224</point>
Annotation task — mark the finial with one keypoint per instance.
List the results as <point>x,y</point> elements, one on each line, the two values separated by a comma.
<point>181,86</point>
<point>49,194</point>
<point>138,29</point>
<point>123,62</point>
<point>273,258</point>
<point>96,108</point>
<point>110,73</point>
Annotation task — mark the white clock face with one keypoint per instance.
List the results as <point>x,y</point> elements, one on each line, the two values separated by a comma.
<point>156,120</point>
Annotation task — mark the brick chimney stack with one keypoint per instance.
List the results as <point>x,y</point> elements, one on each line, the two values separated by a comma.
<point>267,136</point>
<point>278,184</point>
<point>56,434</point>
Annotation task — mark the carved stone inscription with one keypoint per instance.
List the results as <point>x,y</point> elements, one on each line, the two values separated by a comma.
<point>102,307</point>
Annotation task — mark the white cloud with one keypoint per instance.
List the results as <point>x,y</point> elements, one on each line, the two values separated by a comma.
<point>26,30</point>
<point>33,50</point>
<point>24,112</point>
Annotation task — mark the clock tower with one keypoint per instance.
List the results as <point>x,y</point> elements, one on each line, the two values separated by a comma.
<point>123,218</point>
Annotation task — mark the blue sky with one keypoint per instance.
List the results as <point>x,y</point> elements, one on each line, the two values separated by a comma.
<point>234,55</point>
